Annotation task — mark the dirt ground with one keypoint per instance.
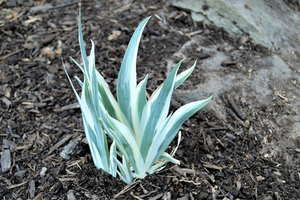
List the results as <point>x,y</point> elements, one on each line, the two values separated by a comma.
<point>40,115</point>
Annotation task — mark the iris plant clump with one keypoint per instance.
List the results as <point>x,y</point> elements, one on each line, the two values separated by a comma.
<point>140,128</point>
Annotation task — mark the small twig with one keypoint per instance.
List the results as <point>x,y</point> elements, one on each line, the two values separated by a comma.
<point>17,185</point>
<point>11,54</point>
<point>146,195</point>
<point>187,181</point>
<point>127,188</point>
<point>134,196</point>
<point>281,96</point>
<point>13,19</point>
<point>236,109</point>
<point>11,133</point>
<point>231,113</point>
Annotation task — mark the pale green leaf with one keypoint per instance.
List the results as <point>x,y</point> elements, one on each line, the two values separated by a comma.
<point>112,156</point>
<point>80,67</point>
<point>125,172</point>
<point>126,86</point>
<point>141,96</point>
<point>126,144</point>
<point>81,44</point>
<point>159,108</point>
<point>180,78</point>
<point>172,127</point>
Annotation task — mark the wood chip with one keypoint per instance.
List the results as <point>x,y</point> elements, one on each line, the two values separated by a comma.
<point>260,178</point>
<point>115,34</point>
<point>47,51</point>
<point>58,144</point>
<point>183,171</point>
<point>157,196</point>
<point>31,20</point>
<point>67,179</point>
<point>211,166</point>
<point>185,197</point>
<point>71,195</point>
<point>39,196</point>
<point>228,62</point>
<point>203,56</point>
<point>68,107</point>
<point>123,8</point>
<point>6,101</point>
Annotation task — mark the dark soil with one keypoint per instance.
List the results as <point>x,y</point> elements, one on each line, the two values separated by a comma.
<point>40,115</point>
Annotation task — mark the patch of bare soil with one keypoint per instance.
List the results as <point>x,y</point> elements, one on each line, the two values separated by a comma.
<point>40,116</point>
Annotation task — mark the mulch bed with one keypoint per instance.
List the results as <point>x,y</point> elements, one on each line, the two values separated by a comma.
<point>40,116</point>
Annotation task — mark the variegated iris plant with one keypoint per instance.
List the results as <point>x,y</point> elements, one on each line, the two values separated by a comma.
<point>140,128</point>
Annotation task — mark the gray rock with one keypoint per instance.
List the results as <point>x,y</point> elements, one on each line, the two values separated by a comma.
<point>31,189</point>
<point>43,171</point>
<point>258,82</point>
<point>5,161</point>
<point>269,23</point>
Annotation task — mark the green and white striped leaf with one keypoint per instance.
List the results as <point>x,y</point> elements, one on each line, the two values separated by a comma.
<point>140,129</point>
<point>126,86</point>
